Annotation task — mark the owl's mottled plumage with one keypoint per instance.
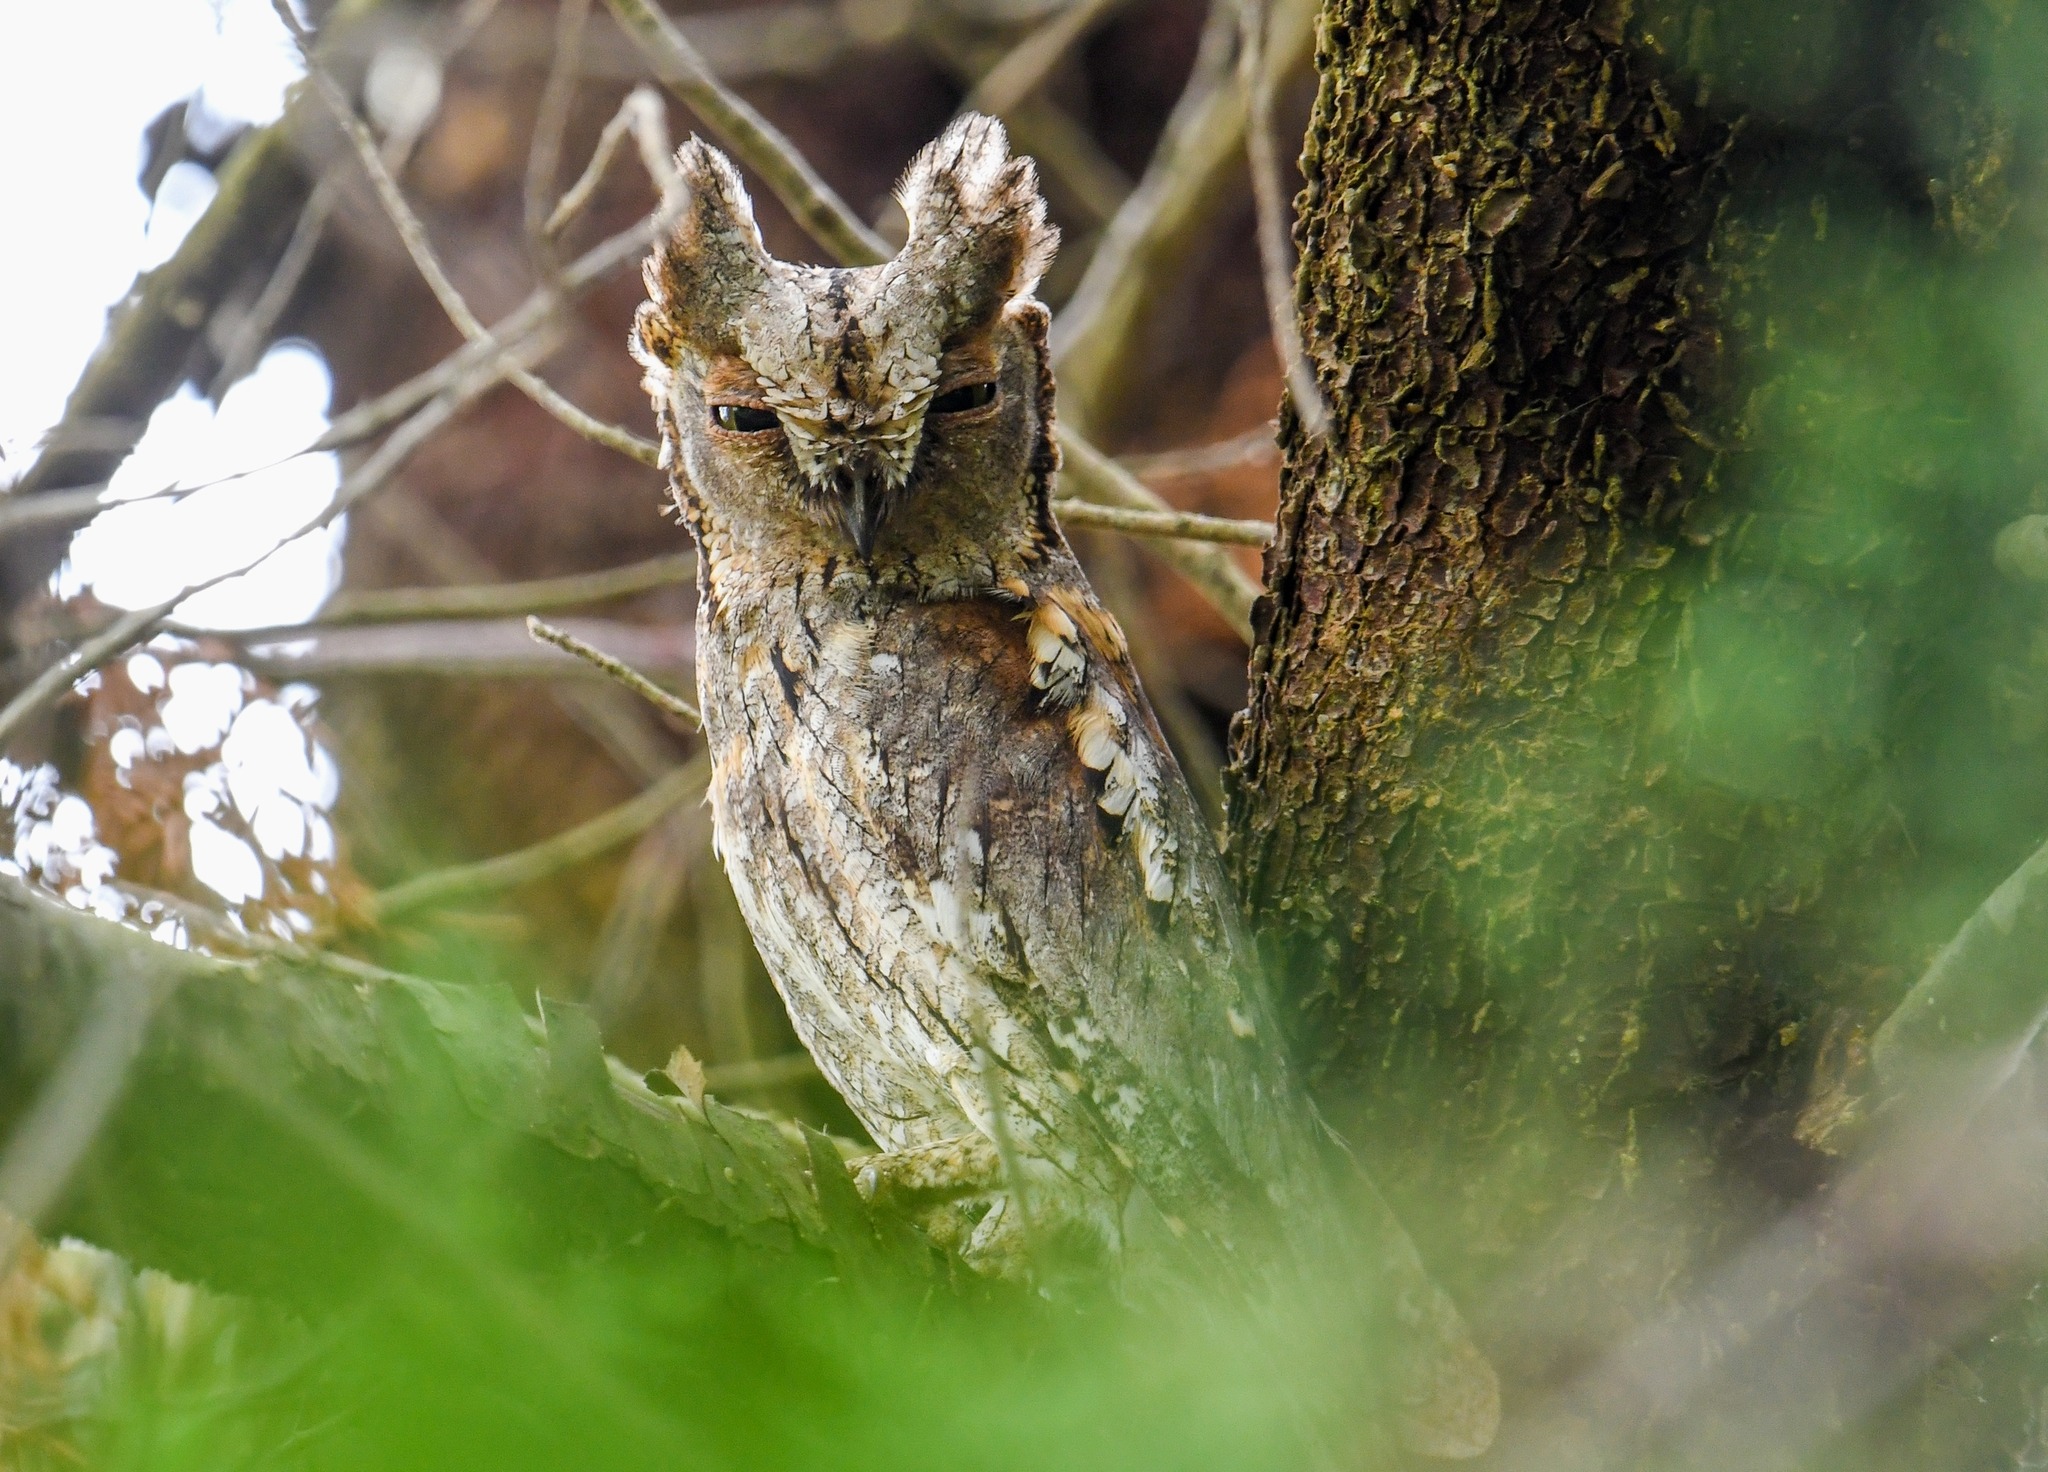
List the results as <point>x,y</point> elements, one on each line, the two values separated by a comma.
<point>965,851</point>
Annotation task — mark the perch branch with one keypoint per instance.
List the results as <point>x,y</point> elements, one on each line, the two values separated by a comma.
<point>350,1043</point>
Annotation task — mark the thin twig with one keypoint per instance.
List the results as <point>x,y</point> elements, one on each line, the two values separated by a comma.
<point>566,850</point>
<point>1031,60</point>
<point>74,1102</point>
<point>509,334</point>
<point>1065,150</point>
<point>788,174</point>
<point>1250,448</point>
<point>642,116</point>
<point>625,674</point>
<point>1187,526</point>
<point>1211,568</point>
<point>551,120</point>
<point>515,333</point>
<point>414,237</point>
<point>1260,80</point>
<point>483,600</point>
<point>246,341</point>
<point>1094,337</point>
<point>651,887</point>
<point>464,649</point>
<point>367,477</point>
<point>253,332</point>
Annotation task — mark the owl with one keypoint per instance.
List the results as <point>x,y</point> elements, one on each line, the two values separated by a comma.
<point>964,850</point>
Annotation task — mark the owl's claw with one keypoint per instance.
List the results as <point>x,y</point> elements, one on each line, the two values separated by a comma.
<point>945,1170</point>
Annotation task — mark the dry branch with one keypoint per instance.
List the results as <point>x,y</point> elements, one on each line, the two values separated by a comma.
<point>461,649</point>
<point>625,674</point>
<point>1203,143</point>
<point>566,850</point>
<point>366,478</point>
<point>352,607</point>
<point>1183,526</point>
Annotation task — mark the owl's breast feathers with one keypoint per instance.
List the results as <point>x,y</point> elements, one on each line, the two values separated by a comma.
<point>955,823</point>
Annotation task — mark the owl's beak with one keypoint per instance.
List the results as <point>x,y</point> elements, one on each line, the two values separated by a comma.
<point>863,502</point>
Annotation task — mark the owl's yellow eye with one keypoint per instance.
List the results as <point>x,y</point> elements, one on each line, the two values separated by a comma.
<point>744,418</point>
<point>967,396</point>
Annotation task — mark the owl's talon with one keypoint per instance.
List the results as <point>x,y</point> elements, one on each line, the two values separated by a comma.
<point>945,1170</point>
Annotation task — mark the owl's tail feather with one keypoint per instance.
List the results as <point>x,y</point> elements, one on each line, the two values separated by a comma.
<point>1446,1394</point>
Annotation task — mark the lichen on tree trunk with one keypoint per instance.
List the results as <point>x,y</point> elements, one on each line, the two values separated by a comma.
<point>1560,953</point>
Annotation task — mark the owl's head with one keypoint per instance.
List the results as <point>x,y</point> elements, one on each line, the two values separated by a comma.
<point>887,413</point>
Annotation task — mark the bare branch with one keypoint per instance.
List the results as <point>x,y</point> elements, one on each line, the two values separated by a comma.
<point>1066,151</point>
<point>47,687</point>
<point>1259,80</point>
<point>45,1147</point>
<point>544,157</point>
<point>464,649</point>
<point>642,116</point>
<point>484,600</point>
<point>652,885</point>
<point>509,335</point>
<point>414,237</point>
<point>566,850</point>
<point>1093,338</point>
<point>1209,567</point>
<point>1031,60</point>
<point>1186,526</point>
<point>1250,448</point>
<point>630,734</point>
<point>631,678</point>
<point>759,145</point>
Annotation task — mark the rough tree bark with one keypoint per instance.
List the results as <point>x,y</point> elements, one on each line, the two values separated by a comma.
<point>1585,932</point>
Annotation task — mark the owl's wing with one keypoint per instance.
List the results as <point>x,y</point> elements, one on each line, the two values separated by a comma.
<point>1081,877</point>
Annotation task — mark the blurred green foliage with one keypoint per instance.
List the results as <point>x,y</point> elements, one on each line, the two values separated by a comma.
<point>1852,666</point>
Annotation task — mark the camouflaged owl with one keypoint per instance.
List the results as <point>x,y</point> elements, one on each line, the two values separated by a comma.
<point>964,850</point>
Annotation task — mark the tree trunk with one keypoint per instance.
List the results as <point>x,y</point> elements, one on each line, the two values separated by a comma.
<point>1577,790</point>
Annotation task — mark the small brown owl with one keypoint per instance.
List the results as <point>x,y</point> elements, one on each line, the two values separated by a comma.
<point>965,851</point>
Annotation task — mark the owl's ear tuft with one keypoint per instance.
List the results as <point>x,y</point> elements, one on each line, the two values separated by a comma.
<point>700,280</point>
<point>977,222</point>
